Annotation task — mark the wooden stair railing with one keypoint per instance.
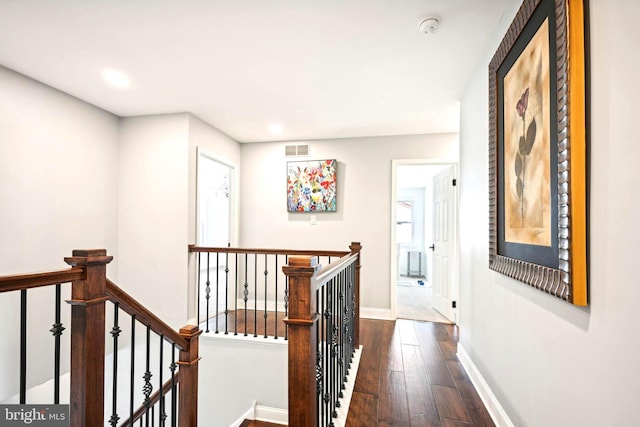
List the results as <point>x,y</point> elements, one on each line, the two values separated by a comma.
<point>305,374</point>
<point>90,290</point>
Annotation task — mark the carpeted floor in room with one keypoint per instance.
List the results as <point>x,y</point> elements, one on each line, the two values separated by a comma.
<point>414,300</point>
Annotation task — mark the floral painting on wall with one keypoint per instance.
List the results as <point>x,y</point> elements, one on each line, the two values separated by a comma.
<point>311,186</point>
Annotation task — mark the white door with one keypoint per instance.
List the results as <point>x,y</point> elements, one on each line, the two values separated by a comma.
<point>444,244</point>
<point>214,230</point>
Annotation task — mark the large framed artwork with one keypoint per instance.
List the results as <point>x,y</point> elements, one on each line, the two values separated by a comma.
<point>538,150</point>
<point>311,186</point>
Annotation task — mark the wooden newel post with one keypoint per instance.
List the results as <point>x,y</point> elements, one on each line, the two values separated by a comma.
<point>301,320</point>
<point>355,248</point>
<point>188,394</point>
<point>88,296</point>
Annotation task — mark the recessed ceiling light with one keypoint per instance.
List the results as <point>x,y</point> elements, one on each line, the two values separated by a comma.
<point>116,78</point>
<point>276,128</point>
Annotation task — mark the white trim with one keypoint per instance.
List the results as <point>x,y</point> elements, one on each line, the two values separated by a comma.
<point>250,414</point>
<point>272,415</point>
<point>498,414</point>
<point>345,401</point>
<point>240,338</point>
<point>394,251</point>
<point>281,416</point>
<point>376,313</point>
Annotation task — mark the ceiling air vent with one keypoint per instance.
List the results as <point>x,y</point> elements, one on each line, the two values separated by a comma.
<point>296,150</point>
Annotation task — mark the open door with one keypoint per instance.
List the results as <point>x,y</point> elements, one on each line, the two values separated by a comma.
<point>215,193</point>
<point>443,247</point>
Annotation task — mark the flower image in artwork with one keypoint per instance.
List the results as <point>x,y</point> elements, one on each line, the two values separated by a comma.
<point>311,186</point>
<point>527,169</point>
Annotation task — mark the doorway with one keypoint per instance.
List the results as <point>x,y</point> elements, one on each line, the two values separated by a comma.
<point>215,198</point>
<point>416,219</point>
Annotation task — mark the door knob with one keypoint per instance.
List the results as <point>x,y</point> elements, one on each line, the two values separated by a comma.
<point>432,247</point>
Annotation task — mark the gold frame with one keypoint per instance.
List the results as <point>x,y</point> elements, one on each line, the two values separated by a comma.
<point>566,278</point>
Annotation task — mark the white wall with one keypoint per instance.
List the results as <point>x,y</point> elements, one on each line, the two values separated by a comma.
<point>214,143</point>
<point>364,201</point>
<point>549,363</point>
<point>58,192</point>
<point>153,228</point>
<point>235,372</point>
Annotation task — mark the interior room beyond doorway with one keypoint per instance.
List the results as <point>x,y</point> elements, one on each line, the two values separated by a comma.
<point>413,240</point>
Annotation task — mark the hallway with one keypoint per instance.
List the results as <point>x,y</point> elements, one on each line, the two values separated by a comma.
<point>409,375</point>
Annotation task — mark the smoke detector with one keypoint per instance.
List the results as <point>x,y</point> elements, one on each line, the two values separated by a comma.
<point>429,24</point>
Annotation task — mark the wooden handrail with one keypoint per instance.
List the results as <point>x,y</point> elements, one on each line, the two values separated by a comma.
<point>305,279</point>
<point>28,281</point>
<point>144,316</point>
<point>331,270</point>
<point>90,289</point>
<point>194,248</point>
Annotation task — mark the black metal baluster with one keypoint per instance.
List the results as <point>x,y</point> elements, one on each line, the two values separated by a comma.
<point>162,416</point>
<point>334,348</point>
<point>226,293</point>
<point>266,275</point>
<point>147,388</point>
<point>328,339</point>
<point>172,368</point>
<point>217,289</point>
<point>23,346</point>
<point>235,299</point>
<point>207,295</point>
<point>323,327</point>
<point>246,291</point>
<point>275,333</point>
<point>199,285</point>
<point>255,295</point>
<point>56,330</point>
<point>319,372</point>
<point>115,333</point>
<point>340,360</point>
<point>286,299</point>
<point>133,370</point>
<point>352,298</point>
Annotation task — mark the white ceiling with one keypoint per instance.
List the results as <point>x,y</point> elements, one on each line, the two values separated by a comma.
<point>321,68</point>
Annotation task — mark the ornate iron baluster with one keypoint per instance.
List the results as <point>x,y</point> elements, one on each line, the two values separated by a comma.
<point>174,390</point>
<point>56,330</point>
<point>115,333</point>
<point>246,291</point>
<point>147,388</point>
<point>226,293</point>
<point>207,295</point>
<point>266,275</point>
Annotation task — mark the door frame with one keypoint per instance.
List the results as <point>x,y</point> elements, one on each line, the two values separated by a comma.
<point>195,226</point>
<point>233,187</point>
<point>395,163</point>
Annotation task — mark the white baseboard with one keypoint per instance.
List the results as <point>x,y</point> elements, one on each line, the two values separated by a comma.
<point>249,415</point>
<point>263,413</point>
<point>489,399</point>
<point>281,416</point>
<point>375,313</point>
<point>272,415</point>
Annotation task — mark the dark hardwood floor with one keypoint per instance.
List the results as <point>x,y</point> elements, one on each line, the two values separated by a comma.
<point>409,375</point>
